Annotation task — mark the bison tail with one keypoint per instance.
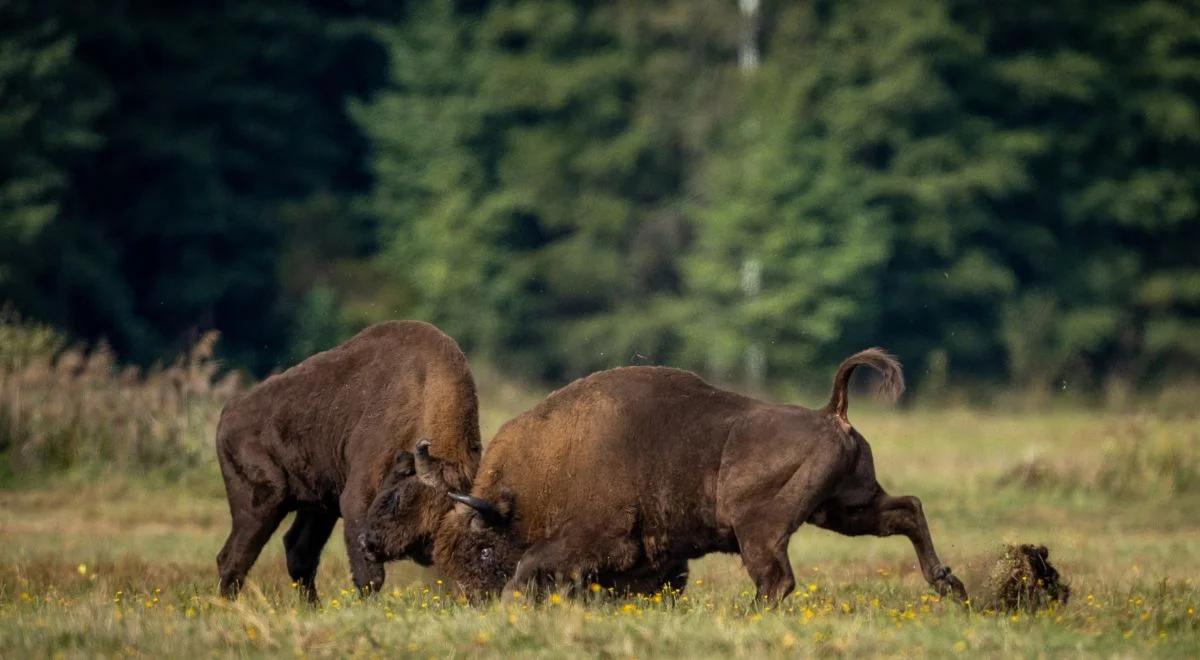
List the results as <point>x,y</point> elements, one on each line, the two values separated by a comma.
<point>878,359</point>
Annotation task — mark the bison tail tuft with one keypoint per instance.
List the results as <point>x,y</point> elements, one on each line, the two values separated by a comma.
<point>892,385</point>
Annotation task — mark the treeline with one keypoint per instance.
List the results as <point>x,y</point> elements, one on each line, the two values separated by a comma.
<point>996,191</point>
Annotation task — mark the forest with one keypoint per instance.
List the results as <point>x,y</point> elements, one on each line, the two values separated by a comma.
<point>1001,193</point>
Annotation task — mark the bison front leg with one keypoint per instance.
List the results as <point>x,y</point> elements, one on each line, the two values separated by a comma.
<point>671,577</point>
<point>889,516</point>
<point>536,570</point>
<point>568,558</point>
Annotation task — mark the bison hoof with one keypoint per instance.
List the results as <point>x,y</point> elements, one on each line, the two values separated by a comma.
<point>948,584</point>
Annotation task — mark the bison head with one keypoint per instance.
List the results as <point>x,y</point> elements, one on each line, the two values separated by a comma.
<point>404,516</point>
<point>475,545</point>
<point>418,501</point>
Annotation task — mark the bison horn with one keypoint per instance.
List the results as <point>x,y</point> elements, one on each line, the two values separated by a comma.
<point>486,510</point>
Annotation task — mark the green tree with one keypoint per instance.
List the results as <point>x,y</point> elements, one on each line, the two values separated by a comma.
<point>48,107</point>
<point>1009,188</point>
<point>1112,90</point>
<point>219,116</point>
<point>859,181</point>
<point>529,184</point>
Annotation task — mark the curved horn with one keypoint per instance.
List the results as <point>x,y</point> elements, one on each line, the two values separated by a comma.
<point>486,509</point>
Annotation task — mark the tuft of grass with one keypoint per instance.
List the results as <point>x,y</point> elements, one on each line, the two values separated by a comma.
<point>1143,461</point>
<point>1141,457</point>
<point>64,407</point>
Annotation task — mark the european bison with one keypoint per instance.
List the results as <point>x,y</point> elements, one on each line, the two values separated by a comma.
<point>625,475</point>
<point>319,439</point>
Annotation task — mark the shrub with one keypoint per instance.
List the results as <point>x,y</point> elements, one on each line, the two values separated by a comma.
<point>67,406</point>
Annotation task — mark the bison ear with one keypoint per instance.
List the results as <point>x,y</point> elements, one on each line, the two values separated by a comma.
<point>428,468</point>
<point>404,465</point>
<point>505,503</point>
<point>1043,551</point>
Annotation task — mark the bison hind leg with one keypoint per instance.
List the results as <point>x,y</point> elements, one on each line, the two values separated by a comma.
<point>257,504</point>
<point>764,528</point>
<point>246,540</point>
<point>886,515</point>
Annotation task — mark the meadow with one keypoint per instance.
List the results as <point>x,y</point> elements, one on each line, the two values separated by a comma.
<point>117,559</point>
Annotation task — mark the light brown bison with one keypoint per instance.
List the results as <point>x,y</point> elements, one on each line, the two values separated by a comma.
<point>320,438</point>
<point>623,476</point>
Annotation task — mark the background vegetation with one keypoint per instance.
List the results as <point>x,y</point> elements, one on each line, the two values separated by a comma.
<point>1000,192</point>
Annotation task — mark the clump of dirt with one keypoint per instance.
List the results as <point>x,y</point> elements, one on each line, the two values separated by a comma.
<point>1023,578</point>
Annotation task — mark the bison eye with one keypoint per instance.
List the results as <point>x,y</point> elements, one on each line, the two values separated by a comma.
<point>485,554</point>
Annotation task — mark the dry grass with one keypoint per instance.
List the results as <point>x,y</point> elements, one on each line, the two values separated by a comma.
<point>1136,456</point>
<point>103,573</point>
<point>67,406</point>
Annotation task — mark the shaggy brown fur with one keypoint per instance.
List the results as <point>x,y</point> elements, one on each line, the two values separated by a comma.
<point>1023,578</point>
<point>625,475</point>
<point>321,437</point>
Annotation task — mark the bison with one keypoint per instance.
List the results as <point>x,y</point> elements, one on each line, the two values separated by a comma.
<point>625,475</point>
<point>321,437</point>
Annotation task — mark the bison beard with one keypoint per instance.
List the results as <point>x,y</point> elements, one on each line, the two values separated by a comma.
<point>322,437</point>
<point>624,476</point>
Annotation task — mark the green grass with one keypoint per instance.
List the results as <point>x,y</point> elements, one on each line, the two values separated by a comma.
<point>124,566</point>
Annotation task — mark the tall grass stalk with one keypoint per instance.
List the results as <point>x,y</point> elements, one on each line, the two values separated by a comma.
<point>67,406</point>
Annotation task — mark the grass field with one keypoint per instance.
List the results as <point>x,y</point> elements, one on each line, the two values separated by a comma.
<point>125,566</point>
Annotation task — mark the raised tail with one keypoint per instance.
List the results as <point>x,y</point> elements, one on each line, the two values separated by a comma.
<point>878,359</point>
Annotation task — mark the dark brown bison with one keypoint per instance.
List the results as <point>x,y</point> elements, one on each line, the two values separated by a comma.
<point>320,438</point>
<point>623,476</point>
